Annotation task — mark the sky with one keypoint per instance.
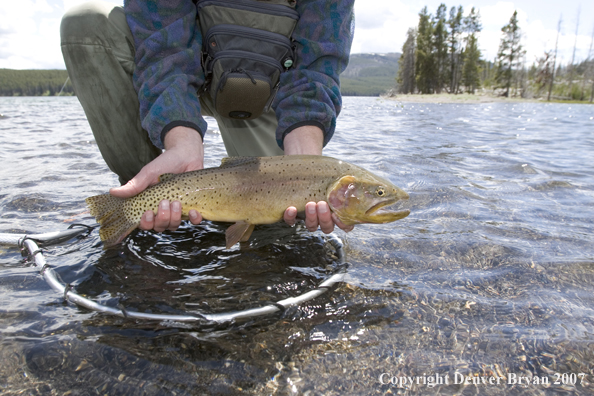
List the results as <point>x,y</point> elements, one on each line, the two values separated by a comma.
<point>30,29</point>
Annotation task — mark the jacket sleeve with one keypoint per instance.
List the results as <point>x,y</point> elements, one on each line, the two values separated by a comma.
<point>309,93</point>
<point>168,72</point>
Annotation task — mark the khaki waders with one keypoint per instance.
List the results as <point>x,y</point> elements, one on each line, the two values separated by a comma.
<point>98,50</point>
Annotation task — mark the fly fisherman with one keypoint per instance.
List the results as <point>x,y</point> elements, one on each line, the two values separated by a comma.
<point>147,73</point>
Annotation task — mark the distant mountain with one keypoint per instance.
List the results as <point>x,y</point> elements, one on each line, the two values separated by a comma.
<point>366,75</point>
<point>369,74</point>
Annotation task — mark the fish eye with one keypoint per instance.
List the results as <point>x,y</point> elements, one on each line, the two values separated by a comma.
<point>380,192</point>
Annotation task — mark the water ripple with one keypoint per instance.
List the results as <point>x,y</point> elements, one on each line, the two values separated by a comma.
<point>490,274</point>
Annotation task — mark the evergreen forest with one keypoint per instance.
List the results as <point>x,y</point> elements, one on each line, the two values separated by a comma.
<point>34,83</point>
<point>441,55</point>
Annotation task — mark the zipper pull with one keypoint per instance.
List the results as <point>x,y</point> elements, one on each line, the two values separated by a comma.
<point>271,99</point>
<point>206,59</point>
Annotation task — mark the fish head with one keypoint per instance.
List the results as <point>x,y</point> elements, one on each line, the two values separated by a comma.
<point>359,199</point>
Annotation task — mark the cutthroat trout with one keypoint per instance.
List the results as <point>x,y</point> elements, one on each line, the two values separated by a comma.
<point>256,190</point>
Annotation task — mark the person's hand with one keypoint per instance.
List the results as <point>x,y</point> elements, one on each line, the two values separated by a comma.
<point>317,214</point>
<point>184,152</point>
<point>309,140</point>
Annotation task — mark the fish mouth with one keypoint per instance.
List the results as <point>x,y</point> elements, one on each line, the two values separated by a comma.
<point>381,214</point>
<point>380,205</point>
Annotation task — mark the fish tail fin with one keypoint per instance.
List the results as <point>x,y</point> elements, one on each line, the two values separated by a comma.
<point>110,213</point>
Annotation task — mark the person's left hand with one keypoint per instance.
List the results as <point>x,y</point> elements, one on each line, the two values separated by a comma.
<point>309,140</point>
<point>184,152</point>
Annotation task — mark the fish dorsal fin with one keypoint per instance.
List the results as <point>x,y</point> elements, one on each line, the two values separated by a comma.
<point>165,176</point>
<point>237,161</point>
<point>239,231</point>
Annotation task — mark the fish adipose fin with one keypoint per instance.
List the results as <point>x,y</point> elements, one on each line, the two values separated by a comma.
<point>110,214</point>
<point>238,232</point>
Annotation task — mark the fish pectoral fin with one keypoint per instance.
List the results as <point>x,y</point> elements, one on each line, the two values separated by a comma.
<point>248,233</point>
<point>238,232</point>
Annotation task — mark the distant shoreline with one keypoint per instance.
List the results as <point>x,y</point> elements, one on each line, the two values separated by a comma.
<point>468,98</point>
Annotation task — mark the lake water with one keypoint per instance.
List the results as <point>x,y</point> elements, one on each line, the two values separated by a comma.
<point>486,288</point>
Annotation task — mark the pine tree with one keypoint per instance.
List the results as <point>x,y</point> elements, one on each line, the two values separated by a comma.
<point>406,63</point>
<point>509,54</point>
<point>472,54</point>
<point>424,60</point>
<point>544,71</point>
<point>440,47</point>
<point>472,23</point>
<point>470,71</point>
<point>572,66</point>
<point>552,81</point>
<point>589,70</point>
<point>455,23</point>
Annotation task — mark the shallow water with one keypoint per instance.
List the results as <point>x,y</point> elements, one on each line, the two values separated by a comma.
<point>490,276</point>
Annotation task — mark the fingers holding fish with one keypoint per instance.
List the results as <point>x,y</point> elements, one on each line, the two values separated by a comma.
<point>147,221</point>
<point>163,217</point>
<point>130,189</point>
<point>184,152</point>
<point>313,219</point>
<point>341,225</point>
<point>325,217</point>
<point>168,217</point>
<point>317,215</point>
<point>290,216</point>
<point>311,216</point>
<point>327,220</point>
<point>195,217</point>
<point>176,214</point>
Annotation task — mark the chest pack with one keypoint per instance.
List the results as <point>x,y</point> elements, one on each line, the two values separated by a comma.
<point>246,46</point>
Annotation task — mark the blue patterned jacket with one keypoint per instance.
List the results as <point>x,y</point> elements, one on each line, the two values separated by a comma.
<point>169,74</point>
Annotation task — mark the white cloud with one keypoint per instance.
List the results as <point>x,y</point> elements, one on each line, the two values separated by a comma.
<point>68,4</point>
<point>19,30</point>
<point>536,37</point>
<point>30,33</point>
<point>17,16</point>
<point>493,18</point>
<point>380,26</point>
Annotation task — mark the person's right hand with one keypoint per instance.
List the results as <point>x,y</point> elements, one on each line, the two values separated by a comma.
<point>184,152</point>
<point>309,140</point>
